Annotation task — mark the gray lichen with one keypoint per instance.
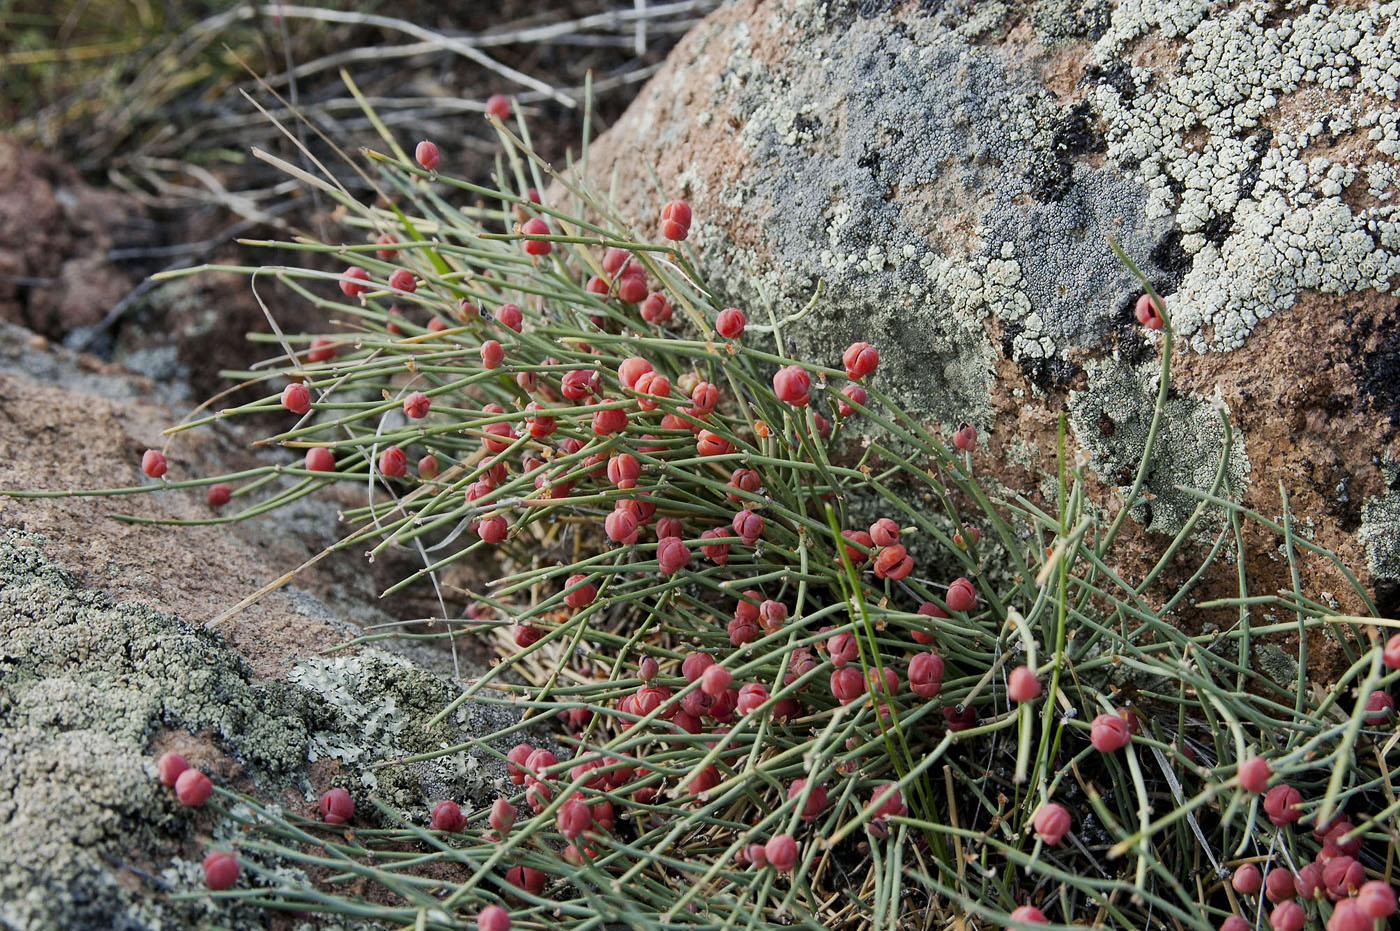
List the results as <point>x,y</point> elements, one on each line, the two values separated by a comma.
<point>1380,528</point>
<point>86,683</point>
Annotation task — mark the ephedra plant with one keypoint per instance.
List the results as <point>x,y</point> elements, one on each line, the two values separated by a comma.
<point>776,713</point>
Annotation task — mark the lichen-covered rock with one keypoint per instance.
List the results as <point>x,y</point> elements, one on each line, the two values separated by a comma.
<point>953,173</point>
<point>87,684</point>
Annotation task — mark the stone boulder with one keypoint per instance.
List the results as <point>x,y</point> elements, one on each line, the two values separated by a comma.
<point>954,172</point>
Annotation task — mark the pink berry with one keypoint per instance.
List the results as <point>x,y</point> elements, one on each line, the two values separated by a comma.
<point>220,870</point>
<point>772,615</point>
<point>1379,707</point>
<point>523,877</point>
<point>1051,822</point>
<point>847,684</point>
<point>655,309</point>
<point>536,227</point>
<point>884,532</point>
<point>493,918</point>
<point>1247,879</point>
<point>170,766</point>
<point>393,462</point>
<point>320,459</point>
<point>498,106</point>
<point>709,443</point>
<point>614,259</point>
<point>851,394</point>
<point>493,529</point>
<point>816,799</point>
<point>886,802</point>
<point>515,761</point>
<point>651,386</point>
<point>965,437</point>
<point>351,281</point>
<point>648,669</point>
<point>218,495</point>
<point>1023,685</point>
<point>1280,804</point>
<point>1234,923</point>
<point>416,405</point>
<point>1342,876</point>
<point>573,818</point>
<point>893,562</point>
<point>609,421</point>
<point>671,555</point>
<point>741,630</point>
<point>509,315</point>
<point>1347,916</point>
<point>1027,915</point>
<point>1287,916</point>
<point>961,596</point>
<point>447,816</point>
<point>1148,312</point>
<point>791,384</point>
<point>1308,882</point>
<point>1109,733</point>
<point>502,816</point>
<point>752,696</point>
<point>747,526</point>
<point>1254,774</point>
<point>321,350</point>
<point>539,426</point>
<point>296,398</point>
<point>582,596</point>
<point>384,240</point>
<point>402,279</point>
<point>675,220</point>
<point>715,680</point>
<point>631,369</point>
<point>192,788</point>
<point>153,463</point>
<point>781,852</point>
<point>860,360</point>
<point>1391,654</point>
<point>426,154</point>
<point>925,674</point>
<point>886,674</point>
<point>337,806</point>
<point>1375,899</point>
<point>842,648</point>
<point>492,353</point>
<point>632,289</point>
<point>621,527</point>
<point>731,322</point>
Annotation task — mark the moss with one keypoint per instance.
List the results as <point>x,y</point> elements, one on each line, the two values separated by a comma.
<point>1111,419</point>
<point>86,683</point>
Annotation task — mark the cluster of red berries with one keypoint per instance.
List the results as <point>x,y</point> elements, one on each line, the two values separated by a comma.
<point>192,789</point>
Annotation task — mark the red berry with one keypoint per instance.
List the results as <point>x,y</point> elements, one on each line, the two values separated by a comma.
<point>675,220</point>
<point>321,350</point>
<point>498,106</point>
<point>655,308</point>
<point>220,870</point>
<point>447,816</point>
<point>1022,685</point>
<point>1288,916</point>
<point>772,615</point>
<point>1342,876</point>
<point>624,470</point>
<point>1391,654</point>
<point>752,696</point>
<point>631,369</point>
<point>851,393</point>
<point>860,360</point>
<point>1254,774</point>
<point>621,527</point>
<point>437,324</point>
<point>632,289</point>
<point>337,806</point>
<point>886,802</point>
<point>1280,802</point>
<point>893,562</point>
<point>858,556</point>
<point>669,527</point>
<point>1247,879</point>
<point>927,609</point>
<point>386,239</point>
<point>523,877</point>
<point>708,443</point>
<point>426,154</point>
<point>1379,707</point>
<point>1376,900</point>
<point>847,684</point>
<point>1347,916</point>
<point>320,459</point>
<point>965,437</point>
<point>744,480</point>
<point>609,421</point>
<point>614,259</point>
<point>1051,822</point>
<point>416,405</point>
<point>573,818</point>
<point>509,315</point>
<point>296,398</point>
<point>1234,923</point>
<point>671,555</point>
<point>715,680</point>
<point>153,463</point>
<point>403,280</point>
<point>492,353</point>
<point>731,322</point>
<point>843,648</point>
<point>791,384</point>
<point>492,529</point>
<point>170,766</point>
<point>741,630</point>
<point>816,799</point>
<point>884,532</point>
<point>351,282</point>
<point>1308,882</point>
<point>1109,733</point>
<point>747,526</point>
<point>192,788</point>
<point>650,386</point>
<point>503,813</point>
<point>961,596</point>
<point>536,227</point>
<point>1148,312</point>
<point>578,384</point>
<point>703,398</point>
<point>393,462</point>
<point>1027,915</point>
<point>493,918</point>
<point>925,674</point>
<point>582,596</point>
<point>781,852</point>
<point>218,495</point>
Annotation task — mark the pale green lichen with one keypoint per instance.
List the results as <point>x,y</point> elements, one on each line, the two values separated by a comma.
<point>1380,527</point>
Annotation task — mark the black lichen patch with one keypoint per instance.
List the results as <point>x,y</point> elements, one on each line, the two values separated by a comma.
<point>1075,135</point>
<point>1049,375</point>
<point>1169,255</point>
<point>1374,352</point>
